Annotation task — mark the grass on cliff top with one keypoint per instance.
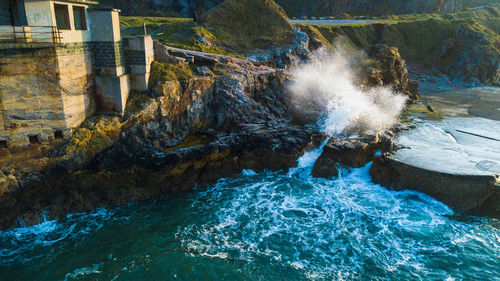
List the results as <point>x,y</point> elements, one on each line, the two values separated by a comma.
<point>176,32</point>
<point>151,21</point>
<point>419,37</point>
<point>244,25</point>
<point>161,71</point>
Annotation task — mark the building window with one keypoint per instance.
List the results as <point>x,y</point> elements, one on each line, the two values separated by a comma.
<point>34,139</point>
<point>62,16</point>
<point>3,144</point>
<point>58,135</point>
<point>79,16</point>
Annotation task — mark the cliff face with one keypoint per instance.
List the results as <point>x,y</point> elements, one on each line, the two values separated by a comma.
<point>297,8</point>
<point>200,121</point>
<point>464,46</point>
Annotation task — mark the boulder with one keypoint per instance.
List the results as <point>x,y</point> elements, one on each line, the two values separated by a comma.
<point>347,153</point>
<point>386,68</point>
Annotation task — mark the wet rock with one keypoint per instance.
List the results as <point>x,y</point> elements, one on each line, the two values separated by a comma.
<point>347,153</point>
<point>186,131</point>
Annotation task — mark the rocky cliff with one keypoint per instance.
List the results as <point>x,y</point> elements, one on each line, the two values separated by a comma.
<point>200,121</point>
<point>464,46</point>
<point>297,8</point>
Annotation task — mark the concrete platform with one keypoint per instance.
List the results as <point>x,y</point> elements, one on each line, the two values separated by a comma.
<point>456,160</point>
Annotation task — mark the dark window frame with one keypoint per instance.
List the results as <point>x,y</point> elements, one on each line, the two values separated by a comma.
<point>4,144</point>
<point>83,17</point>
<point>67,24</point>
<point>34,139</point>
<point>58,135</point>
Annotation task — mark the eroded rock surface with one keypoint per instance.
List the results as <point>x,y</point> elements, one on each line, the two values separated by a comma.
<point>187,130</point>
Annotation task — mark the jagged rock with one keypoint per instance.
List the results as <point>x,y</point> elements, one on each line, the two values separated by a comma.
<point>8,181</point>
<point>347,153</point>
<point>93,137</point>
<point>187,131</point>
<point>205,71</point>
<point>386,68</point>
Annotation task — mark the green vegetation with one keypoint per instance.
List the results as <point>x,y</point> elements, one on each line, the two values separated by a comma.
<point>150,21</point>
<point>136,102</point>
<point>161,71</point>
<point>419,37</point>
<point>244,25</point>
<point>232,28</point>
<point>175,32</point>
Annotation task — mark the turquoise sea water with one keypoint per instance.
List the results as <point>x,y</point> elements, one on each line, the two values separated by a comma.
<point>269,226</point>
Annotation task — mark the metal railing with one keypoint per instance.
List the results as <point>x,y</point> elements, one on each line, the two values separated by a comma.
<point>30,34</point>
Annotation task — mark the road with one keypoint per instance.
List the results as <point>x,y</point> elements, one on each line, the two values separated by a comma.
<point>336,22</point>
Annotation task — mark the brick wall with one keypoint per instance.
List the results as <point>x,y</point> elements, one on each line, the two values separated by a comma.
<point>108,54</point>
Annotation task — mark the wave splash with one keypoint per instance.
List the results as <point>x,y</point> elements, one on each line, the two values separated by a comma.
<point>328,80</point>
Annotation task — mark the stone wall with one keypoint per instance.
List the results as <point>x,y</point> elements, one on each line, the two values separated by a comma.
<point>108,54</point>
<point>44,91</point>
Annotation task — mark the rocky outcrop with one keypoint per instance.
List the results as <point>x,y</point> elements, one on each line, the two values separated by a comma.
<point>348,153</point>
<point>448,162</point>
<point>462,46</point>
<point>186,130</point>
<point>384,67</point>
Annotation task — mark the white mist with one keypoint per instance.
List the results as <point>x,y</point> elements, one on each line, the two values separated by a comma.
<point>328,80</point>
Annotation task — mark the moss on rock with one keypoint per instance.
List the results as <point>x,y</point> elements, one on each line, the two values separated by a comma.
<point>161,71</point>
<point>93,137</point>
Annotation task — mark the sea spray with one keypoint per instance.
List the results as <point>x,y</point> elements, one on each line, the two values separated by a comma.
<point>328,80</point>
<point>306,162</point>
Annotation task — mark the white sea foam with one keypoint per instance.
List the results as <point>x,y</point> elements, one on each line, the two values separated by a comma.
<point>329,81</point>
<point>305,163</point>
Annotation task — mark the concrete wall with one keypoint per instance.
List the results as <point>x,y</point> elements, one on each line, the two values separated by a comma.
<point>112,83</point>
<point>76,77</point>
<point>105,25</point>
<point>41,13</point>
<point>139,54</point>
<point>46,88</point>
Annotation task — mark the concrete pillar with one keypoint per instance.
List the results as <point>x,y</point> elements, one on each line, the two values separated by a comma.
<point>112,83</point>
<point>139,56</point>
